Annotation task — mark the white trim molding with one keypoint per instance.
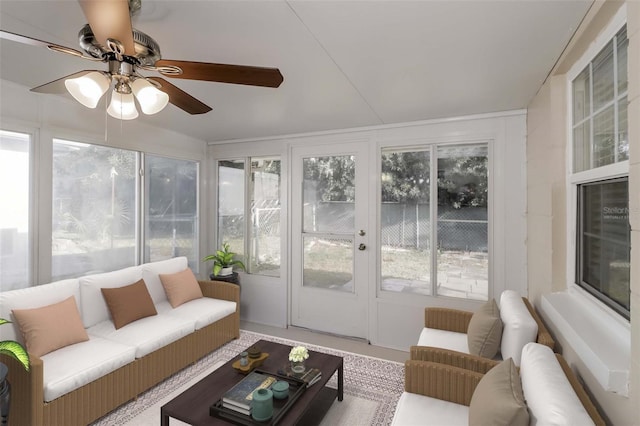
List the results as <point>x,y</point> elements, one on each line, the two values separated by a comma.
<point>601,338</point>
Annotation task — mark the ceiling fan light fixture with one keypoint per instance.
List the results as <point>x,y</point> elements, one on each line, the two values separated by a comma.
<point>151,99</point>
<point>89,88</point>
<point>122,106</point>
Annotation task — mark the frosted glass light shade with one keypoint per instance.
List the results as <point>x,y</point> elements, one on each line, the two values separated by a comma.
<point>89,88</point>
<point>151,99</point>
<point>122,106</point>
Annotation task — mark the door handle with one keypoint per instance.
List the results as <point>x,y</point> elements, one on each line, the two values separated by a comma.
<point>362,247</point>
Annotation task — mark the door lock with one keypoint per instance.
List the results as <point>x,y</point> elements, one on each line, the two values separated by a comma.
<point>362,247</point>
<point>362,233</point>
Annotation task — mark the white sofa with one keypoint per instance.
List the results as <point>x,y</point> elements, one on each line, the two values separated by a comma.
<point>440,390</point>
<point>79,383</point>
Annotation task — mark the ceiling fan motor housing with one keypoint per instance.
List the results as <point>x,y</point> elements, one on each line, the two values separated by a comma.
<point>147,50</point>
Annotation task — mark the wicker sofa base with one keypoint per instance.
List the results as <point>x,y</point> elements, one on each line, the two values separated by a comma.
<point>95,399</point>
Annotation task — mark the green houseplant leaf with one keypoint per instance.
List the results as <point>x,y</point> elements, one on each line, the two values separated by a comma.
<point>223,258</point>
<point>14,349</point>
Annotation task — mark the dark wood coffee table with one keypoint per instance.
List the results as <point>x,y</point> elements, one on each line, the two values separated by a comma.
<point>192,406</point>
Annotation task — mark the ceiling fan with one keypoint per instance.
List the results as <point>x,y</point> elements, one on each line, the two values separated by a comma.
<point>109,37</point>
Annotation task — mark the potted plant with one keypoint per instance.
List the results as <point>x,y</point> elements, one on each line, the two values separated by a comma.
<point>223,261</point>
<point>17,351</point>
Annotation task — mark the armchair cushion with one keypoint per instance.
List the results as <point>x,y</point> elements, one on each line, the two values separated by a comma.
<point>498,399</point>
<point>415,409</point>
<point>485,331</point>
<point>550,397</point>
<point>518,326</point>
<point>444,339</point>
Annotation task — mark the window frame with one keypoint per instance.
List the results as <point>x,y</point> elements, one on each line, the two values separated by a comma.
<point>593,175</point>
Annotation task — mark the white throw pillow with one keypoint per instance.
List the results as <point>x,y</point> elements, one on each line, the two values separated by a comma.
<point>549,395</point>
<point>518,326</point>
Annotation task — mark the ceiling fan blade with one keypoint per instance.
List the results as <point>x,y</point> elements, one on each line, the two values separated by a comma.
<point>40,43</point>
<point>110,19</point>
<point>224,73</point>
<point>180,98</point>
<point>57,87</point>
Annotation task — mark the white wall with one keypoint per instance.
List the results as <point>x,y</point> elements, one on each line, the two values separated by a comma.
<point>550,256</point>
<point>396,319</point>
<point>47,116</point>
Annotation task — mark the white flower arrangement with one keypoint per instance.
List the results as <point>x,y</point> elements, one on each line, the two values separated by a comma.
<point>298,354</point>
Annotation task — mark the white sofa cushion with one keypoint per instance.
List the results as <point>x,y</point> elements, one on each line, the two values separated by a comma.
<point>419,410</point>
<point>518,326</point>
<point>203,311</point>
<point>74,366</point>
<point>146,334</point>
<point>34,297</point>
<point>151,272</point>
<point>444,339</point>
<point>94,307</point>
<point>549,395</point>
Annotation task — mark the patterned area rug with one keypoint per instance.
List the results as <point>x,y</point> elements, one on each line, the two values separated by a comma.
<point>372,387</point>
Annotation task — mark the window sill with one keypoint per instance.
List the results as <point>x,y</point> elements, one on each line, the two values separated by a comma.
<point>601,339</point>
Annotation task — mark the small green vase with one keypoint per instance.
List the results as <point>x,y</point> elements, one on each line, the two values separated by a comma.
<point>262,405</point>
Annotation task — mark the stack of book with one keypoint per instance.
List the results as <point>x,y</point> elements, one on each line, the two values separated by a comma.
<point>239,397</point>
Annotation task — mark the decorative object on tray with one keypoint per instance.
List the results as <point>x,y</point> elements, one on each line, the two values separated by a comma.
<point>254,352</point>
<point>280,389</point>
<point>244,359</point>
<point>309,376</point>
<point>262,405</point>
<point>254,359</point>
<point>238,415</point>
<point>239,397</point>
<point>297,356</point>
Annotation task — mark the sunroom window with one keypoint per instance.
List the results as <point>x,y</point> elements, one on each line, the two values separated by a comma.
<point>97,194</point>
<point>434,221</point>
<point>252,229</point>
<point>600,151</point>
<point>15,230</point>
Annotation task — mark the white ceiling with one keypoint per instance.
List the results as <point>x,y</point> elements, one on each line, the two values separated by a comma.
<point>345,63</point>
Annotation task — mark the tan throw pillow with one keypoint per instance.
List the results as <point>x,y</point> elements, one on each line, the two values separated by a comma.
<point>51,327</point>
<point>181,287</point>
<point>498,399</point>
<point>129,303</point>
<point>485,331</point>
